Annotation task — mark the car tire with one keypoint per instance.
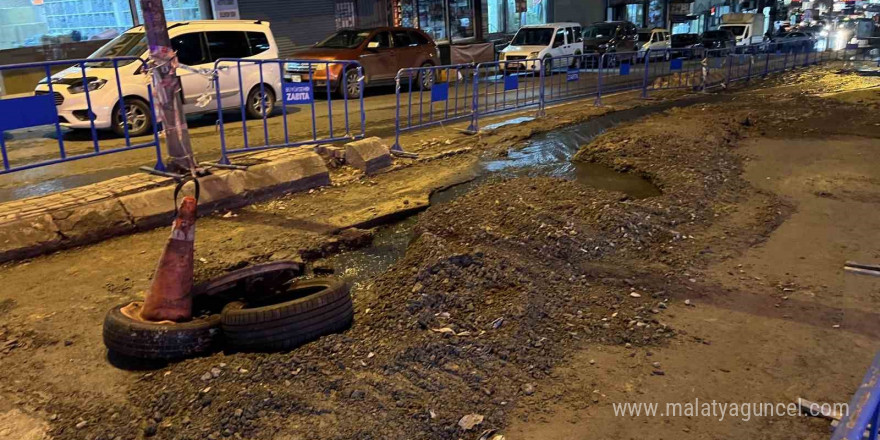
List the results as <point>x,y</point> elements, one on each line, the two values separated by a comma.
<point>139,115</point>
<point>159,340</point>
<point>577,60</point>
<point>352,87</point>
<point>254,109</point>
<point>427,81</point>
<point>320,306</point>
<point>547,66</point>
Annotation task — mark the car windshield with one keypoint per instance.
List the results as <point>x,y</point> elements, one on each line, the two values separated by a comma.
<point>716,35</point>
<point>129,44</point>
<point>644,36</point>
<point>533,37</point>
<point>600,31</point>
<point>736,30</point>
<point>344,40</point>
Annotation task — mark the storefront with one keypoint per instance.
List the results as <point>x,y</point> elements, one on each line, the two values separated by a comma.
<point>39,22</point>
<point>466,21</point>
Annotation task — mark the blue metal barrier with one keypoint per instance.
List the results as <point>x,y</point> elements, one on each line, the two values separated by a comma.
<point>675,69</point>
<point>434,95</point>
<point>577,76</point>
<point>510,84</point>
<point>82,96</point>
<point>254,88</point>
<point>864,408</point>
<point>620,71</point>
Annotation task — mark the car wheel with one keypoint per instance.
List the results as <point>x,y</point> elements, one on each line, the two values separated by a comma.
<point>352,89</point>
<point>138,118</point>
<point>308,310</point>
<point>135,338</point>
<point>547,66</point>
<point>426,76</point>
<point>255,100</point>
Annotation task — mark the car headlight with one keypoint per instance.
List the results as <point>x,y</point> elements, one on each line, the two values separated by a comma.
<point>93,85</point>
<point>502,56</point>
<point>603,46</point>
<point>534,55</point>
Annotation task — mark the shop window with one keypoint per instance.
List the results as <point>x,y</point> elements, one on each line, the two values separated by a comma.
<point>461,19</point>
<point>635,14</point>
<point>406,14</point>
<point>432,18</point>
<point>495,16</point>
<point>525,12</point>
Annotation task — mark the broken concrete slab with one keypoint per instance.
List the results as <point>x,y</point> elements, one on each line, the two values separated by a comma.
<point>94,221</point>
<point>21,238</point>
<point>40,224</point>
<point>369,155</point>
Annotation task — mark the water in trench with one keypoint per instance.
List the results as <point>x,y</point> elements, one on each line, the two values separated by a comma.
<point>547,154</point>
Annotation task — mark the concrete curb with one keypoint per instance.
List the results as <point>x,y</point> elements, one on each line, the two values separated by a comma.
<point>127,204</point>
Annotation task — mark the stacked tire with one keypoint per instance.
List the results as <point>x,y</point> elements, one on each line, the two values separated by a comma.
<point>320,306</point>
<point>305,311</point>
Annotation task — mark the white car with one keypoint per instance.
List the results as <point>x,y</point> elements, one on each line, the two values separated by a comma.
<point>198,44</point>
<point>655,40</point>
<point>541,42</point>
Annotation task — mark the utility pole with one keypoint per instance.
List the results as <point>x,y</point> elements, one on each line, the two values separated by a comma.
<point>166,87</point>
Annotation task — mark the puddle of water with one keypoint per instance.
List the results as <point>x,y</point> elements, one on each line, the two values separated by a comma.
<point>548,154</point>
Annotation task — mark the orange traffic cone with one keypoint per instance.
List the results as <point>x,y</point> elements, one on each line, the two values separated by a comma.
<point>169,298</point>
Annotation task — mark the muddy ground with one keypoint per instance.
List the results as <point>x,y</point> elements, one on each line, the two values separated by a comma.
<point>559,299</point>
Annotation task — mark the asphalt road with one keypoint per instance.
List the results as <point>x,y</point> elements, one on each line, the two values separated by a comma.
<point>330,120</point>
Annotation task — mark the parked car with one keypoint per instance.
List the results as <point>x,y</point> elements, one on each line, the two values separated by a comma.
<point>654,42</point>
<point>719,42</point>
<point>541,42</point>
<point>198,44</point>
<point>381,52</point>
<point>687,45</point>
<point>794,41</point>
<point>610,37</point>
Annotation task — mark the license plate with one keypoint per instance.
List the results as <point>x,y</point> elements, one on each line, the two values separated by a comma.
<point>515,65</point>
<point>296,78</point>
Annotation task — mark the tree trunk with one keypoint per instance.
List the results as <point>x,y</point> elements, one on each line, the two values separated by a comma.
<point>167,88</point>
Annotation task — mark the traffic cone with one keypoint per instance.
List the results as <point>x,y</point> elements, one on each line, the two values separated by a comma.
<point>169,298</point>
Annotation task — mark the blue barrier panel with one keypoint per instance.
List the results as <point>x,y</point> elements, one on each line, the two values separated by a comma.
<point>624,68</point>
<point>431,95</point>
<point>676,64</point>
<point>252,86</point>
<point>511,82</point>
<point>27,112</point>
<point>86,94</point>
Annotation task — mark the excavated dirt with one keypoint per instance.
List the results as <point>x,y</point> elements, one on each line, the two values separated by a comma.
<point>500,288</point>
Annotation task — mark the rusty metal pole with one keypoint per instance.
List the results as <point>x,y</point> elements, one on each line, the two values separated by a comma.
<point>166,85</point>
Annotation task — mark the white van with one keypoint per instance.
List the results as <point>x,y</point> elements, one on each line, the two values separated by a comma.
<point>748,28</point>
<point>198,44</point>
<point>540,42</point>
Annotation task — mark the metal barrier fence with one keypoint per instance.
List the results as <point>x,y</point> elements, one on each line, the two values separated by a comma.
<point>85,95</point>
<point>864,408</point>
<point>620,71</point>
<point>434,95</point>
<point>577,76</point>
<point>510,84</point>
<point>254,86</point>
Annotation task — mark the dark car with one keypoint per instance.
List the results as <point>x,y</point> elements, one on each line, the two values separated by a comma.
<point>610,36</point>
<point>719,42</point>
<point>380,51</point>
<point>687,45</point>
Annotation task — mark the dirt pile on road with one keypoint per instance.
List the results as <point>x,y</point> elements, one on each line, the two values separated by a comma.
<point>498,287</point>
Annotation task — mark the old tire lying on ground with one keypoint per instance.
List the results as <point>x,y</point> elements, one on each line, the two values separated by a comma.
<point>318,306</point>
<point>135,338</point>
